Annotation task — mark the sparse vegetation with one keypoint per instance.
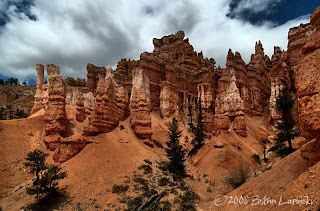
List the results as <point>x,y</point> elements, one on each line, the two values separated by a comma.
<point>148,161</point>
<point>158,191</point>
<point>47,176</point>
<point>238,177</point>
<point>147,169</point>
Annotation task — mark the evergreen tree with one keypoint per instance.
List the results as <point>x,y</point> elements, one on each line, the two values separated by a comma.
<point>20,114</point>
<point>1,81</point>
<point>199,135</point>
<point>286,132</point>
<point>190,117</point>
<point>46,175</point>
<point>264,142</point>
<point>174,151</point>
<point>12,81</point>
<point>2,113</point>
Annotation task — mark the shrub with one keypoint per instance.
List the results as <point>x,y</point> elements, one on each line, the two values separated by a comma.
<point>163,181</point>
<point>209,189</point>
<point>146,169</point>
<point>256,158</point>
<point>120,188</point>
<point>238,177</point>
<point>148,161</point>
<point>121,127</point>
<point>20,114</point>
<point>188,200</point>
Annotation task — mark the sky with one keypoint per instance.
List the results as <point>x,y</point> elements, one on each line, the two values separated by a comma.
<point>72,33</point>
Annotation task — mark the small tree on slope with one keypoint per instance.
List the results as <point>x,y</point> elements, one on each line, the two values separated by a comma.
<point>264,142</point>
<point>286,132</point>
<point>174,151</point>
<point>46,175</point>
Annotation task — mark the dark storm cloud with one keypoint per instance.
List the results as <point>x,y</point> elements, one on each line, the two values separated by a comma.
<point>254,11</point>
<point>277,12</point>
<point>17,8</point>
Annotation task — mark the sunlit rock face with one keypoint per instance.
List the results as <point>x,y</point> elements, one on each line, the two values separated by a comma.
<point>140,105</point>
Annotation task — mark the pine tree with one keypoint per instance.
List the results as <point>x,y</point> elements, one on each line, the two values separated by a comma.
<point>286,132</point>
<point>199,135</point>
<point>174,151</point>
<point>46,175</point>
<point>190,117</point>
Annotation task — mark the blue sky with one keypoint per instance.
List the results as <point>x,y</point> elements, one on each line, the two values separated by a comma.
<point>76,32</point>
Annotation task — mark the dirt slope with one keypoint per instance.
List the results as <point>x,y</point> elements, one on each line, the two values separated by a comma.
<point>278,182</point>
<point>111,157</point>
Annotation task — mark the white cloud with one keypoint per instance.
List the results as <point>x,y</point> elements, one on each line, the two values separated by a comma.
<point>75,32</point>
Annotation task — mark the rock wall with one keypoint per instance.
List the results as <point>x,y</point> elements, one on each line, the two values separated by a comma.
<point>304,56</point>
<point>307,75</point>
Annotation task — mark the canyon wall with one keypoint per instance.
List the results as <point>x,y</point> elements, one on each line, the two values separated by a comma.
<point>304,54</point>
<point>173,77</point>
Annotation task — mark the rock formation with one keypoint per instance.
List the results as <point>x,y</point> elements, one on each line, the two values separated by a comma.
<point>111,106</point>
<point>229,108</point>
<point>55,113</point>
<point>56,121</point>
<point>140,105</point>
<point>169,101</point>
<point>206,95</point>
<point>172,78</point>
<point>279,76</point>
<point>94,73</point>
<point>80,109</point>
<point>41,96</point>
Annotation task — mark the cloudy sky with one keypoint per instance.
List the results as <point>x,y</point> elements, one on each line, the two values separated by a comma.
<point>72,33</point>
